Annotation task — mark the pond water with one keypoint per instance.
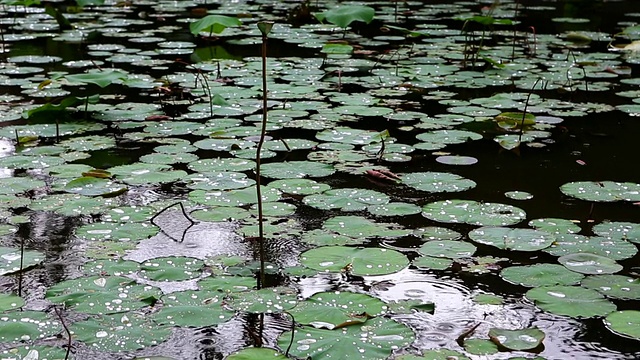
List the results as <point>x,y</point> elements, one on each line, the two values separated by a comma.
<point>439,179</point>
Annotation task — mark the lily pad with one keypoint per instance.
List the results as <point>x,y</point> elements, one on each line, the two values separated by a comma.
<point>614,286</point>
<point>613,248</point>
<point>260,353</point>
<point>512,239</point>
<point>296,169</point>
<point>436,182</point>
<point>572,301</point>
<point>360,227</point>
<point>346,199</point>
<point>555,225</point>
<point>10,302</point>
<point>373,340</point>
<point>92,186</point>
<point>21,326</point>
<point>361,261</point>
<point>473,213</point>
<point>620,230</point>
<point>10,259</point>
<point>447,249</point>
<point>120,332</point>
<point>587,263</point>
<point>541,275</point>
<point>331,310</point>
<point>102,294</point>
<point>625,322</point>
<point>517,340</point>
<point>266,300</point>
<point>193,308</point>
<point>604,191</point>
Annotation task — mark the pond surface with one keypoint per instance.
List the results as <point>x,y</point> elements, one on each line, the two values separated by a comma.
<point>438,179</point>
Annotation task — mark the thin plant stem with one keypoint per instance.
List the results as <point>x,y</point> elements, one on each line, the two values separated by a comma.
<point>524,113</point>
<point>21,265</point>
<point>66,330</point>
<point>293,332</point>
<point>263,132</point>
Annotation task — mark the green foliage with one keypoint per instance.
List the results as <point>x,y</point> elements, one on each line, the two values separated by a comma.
<point>343,16</point>
<point>213,24</point>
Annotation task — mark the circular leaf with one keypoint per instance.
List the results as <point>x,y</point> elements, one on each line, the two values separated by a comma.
<point>473,212</point>
<point>540,275</point>
<point>614,286</point>
<point>436,182</point>
<point>625,322</point>
<point>512,239</point>
<point>517,340</point>
<point>604,191</point>
<point>447,249</point>
<point>346,199</point>
<point>586,263</point>
<point>571,301</point>
<point>363,261</point>
<point>296,169</point>
<point>331,310</point>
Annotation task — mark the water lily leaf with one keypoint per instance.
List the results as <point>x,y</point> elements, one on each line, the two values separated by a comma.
<point>193,308</point>
<point>299,186</point>
<point>29,162</point>
<point>132,213</point>
<point>171,269</point>
<point>10,301</point>
<point>620,230</point>
<point>625,322</point>
<point>346,199</point>
<point>127,231</point>
<point>383,336</point>
<point>101,78</point>
<point>436,182</point>
<point>102,294</point>
<point>260,353</point>
<point>28,352</point>
<point>517,340</point>
<point>92,186</point>
<point>144,173</point>
<point>480,347</point>
<point>223,180</point>
<point>448,136</point>
<point>266,300</point>
<point>602,191</point>
<point>296,169</point>
<point>320,237</point>
<point>21,326</point>
<point>473,212</point>
<point>613,248</point>
<point>360,227</point>
<point>10,259</point>
<point>208,166</point>
<point>518,195</point>
<point>394,209</point>
<point>555,225</point>
<point>614,286</point>
<point>343,16</point>
<point>235,197</point>
<point>587,263</point>
<point>119,332</point>
<point>435,354</point>
<point>515,119</point>
<point>447,249</point>
<point>227,284</point>
<point>512,239</point>
<point>213,24</point>
<point>17,185</point>
<point>540,275</point>
<point>329,310</point>
<point>433,263</point>
<point>362,261</point>
<point>348,136</point>
<point>572,301</point>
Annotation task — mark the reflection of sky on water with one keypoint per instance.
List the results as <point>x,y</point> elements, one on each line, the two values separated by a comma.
<point>6,149</point>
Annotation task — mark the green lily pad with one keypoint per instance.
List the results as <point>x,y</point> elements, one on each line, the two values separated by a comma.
<point>360,227</point>
<point>613,248</point>
<point>28,352</point>
<point>602,191</point>
<point>223,180</point>
<point>343,16</point>
<point>435,354</point>
<point>555,225</point>
<point>10,259</point>
<point>171,269</point>
<point>449,249</point>
<point>10,301</point>
<point>348,136</point>
<point>235,197</point>
<point>614,286</point>
<point>473,212</point>
<point>92,186</point>
<point>17,185</point>
<point>101,78</point>
<point>572,301</point>
<point>446,137</point>
<point>541,275</point>
<point>436,182</point>
<point>127,231</point>
<point>620,230</point>
<point>102,294</point>
<point>296,169</point>
<point>346,199</point>
<point>480,347</point>
<point>517,340</point>
<point>587,263</point>
<point>21,326</point>
<point>221,164</point>
<point>394,209</point>
<point>434,263</point>
<point>144,173</point>
<point>382,337</point>
<point>625,322</point>
<point>330,310</point>
<point>119,332</point>
<point>299,186</point>
<point>362,261</point>
<point>193,308</point>
<point>512,239</point>
<point>260,353</point>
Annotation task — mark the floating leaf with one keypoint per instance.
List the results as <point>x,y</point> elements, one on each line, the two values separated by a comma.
<point>10,259</point>
<point>362,261</point>
<point>330,310</point>
<point>473,212</point>
<point>93,186</point>
<point>614,286</point>
<point>346,199</point>
<point>213,24</point>
<point>21,326</point>
<point>360,227</point>
<point>436,182</point>
<point>261,353</point>
<point>540,275</point>
<point>613,248</point>
<point>193,308</point>
<point>266,300</point>
<point>100,78</point>
<point>586,263</point>
<point>447,249</point>
<point>517,340</point>
<point>620,230</point>
<point>296,169</point>
<point>571,301</point>
<point>512,239</point>
<point>382,337</point>
<point>10,301</point>
<point>625,322</point>
<point>343,16</point>
<point>605,191</point>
